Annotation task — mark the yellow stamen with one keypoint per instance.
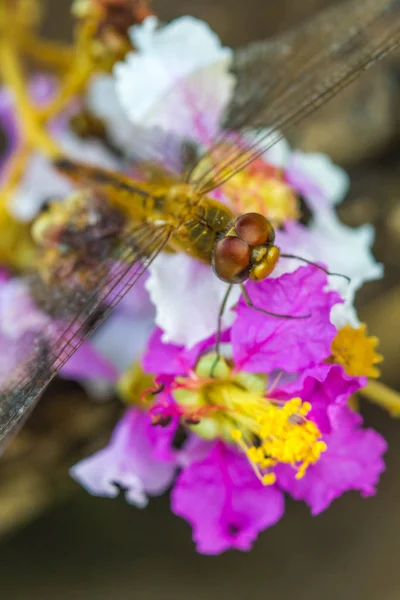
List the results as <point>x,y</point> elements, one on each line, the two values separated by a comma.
<point>286,436</point>
<point>262,192</point>
<point>353,349</point>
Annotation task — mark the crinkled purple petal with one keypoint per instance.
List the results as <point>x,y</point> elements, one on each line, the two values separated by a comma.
<point>138,458</point>
<point>353,461</point>
<point>224,501</point>
<point>263,343</point>
<point>322,386</point>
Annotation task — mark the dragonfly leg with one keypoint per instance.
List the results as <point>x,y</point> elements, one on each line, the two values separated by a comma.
<point>316,265</point>
<point>250,303</point>
<point>219,329</point>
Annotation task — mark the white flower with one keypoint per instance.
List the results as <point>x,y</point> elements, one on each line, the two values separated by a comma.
<point>177,80</point>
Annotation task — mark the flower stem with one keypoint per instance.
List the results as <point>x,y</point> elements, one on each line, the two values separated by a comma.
<point>81,68</point>
<point>13,77</point>
<point>14,174</point>
<point>50,54</point>
<point>381,394</point>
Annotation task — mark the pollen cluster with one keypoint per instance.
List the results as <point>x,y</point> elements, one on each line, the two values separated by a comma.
<point>285,436</point>
<point>261,188</point>
<point>234,406</point>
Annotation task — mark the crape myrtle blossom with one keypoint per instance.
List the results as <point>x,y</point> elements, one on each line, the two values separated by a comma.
<point>270,416</point>
<point>186,101</point>
<point>268,422</point>
<point>274,417</point>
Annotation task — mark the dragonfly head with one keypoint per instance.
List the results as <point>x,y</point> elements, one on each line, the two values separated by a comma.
<point>246,251</point>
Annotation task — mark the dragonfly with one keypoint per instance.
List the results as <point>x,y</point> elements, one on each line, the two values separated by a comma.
<point>98,243</point>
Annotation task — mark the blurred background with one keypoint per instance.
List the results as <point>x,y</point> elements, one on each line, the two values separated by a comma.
<point>58,542</point>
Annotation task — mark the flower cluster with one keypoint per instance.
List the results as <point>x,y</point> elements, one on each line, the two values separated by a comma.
<point>272,418</point>
<point>235,418</point>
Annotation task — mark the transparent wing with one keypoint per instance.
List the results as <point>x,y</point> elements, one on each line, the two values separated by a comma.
<point>64,315</point>
<point>281,81</point>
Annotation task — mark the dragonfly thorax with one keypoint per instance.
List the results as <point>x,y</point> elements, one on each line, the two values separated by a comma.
<point>201,221</point>
<point>246,251</point>
<point>180,200</point>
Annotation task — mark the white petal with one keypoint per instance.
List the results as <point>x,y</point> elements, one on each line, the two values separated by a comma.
<point>103,101</point>
<point>319,180</point>
<point>178,76</point>
<point>187,296</point>
<point>279,154</point>
<point>97,475</point>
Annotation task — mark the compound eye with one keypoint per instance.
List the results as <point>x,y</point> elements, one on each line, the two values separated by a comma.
<point>231,260</point>
<point>254,229</point>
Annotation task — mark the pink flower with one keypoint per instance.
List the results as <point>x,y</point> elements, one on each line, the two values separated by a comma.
<point>219,493</point>
<point>342,249</point>
<point>224,502</point>
<point>138,458</point>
